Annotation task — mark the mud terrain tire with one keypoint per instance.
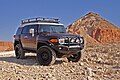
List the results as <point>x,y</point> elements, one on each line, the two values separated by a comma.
<point>19,52</point>
<point>46,56</point>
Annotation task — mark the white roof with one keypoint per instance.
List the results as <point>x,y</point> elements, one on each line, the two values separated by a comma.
<point>40,23</point>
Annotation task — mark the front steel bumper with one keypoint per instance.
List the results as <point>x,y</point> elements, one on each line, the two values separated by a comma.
<point>68,50</point>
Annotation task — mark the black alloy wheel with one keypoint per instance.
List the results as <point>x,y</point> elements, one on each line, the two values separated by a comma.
<point>46,56</point>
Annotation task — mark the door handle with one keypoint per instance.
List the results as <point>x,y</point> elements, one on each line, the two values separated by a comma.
<point>25,37</point>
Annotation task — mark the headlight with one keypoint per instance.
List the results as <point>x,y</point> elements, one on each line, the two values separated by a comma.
<point>78,40</point>
<point>81,40</point>
<point>75,40</point>
<point>62,41</point>
<point>72,40</point>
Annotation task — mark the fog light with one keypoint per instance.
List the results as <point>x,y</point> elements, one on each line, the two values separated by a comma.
<point>62,41</point>
<point>60,48</point>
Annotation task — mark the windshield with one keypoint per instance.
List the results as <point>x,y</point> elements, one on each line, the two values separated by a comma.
<point>52,28</point>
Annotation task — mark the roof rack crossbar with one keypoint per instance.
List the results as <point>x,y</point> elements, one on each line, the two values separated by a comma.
<point>40,19</point>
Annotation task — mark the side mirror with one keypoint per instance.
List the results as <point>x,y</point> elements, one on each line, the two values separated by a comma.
<point>32,31</point>
<point>14,36</point>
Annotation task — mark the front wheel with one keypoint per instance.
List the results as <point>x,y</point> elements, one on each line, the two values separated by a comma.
<point>46,56</point>
<point>74,57</point>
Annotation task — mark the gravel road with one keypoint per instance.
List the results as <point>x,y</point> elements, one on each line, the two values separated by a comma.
<point>99,62</point>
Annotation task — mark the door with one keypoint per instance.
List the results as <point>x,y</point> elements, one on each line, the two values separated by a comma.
<point>28,39</point>
<point>32,37</point>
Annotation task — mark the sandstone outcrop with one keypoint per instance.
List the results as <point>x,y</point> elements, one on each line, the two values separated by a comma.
<point>104,35</point>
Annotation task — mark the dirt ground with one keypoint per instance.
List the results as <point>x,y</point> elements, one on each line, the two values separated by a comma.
<point>99,62</point>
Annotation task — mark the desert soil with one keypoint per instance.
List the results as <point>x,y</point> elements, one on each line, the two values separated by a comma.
<point>99,62</point>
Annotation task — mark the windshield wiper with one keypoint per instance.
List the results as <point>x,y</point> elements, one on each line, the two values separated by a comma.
<point>61,32</point>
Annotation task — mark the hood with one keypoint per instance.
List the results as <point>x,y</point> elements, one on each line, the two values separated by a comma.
<point>62,35</point>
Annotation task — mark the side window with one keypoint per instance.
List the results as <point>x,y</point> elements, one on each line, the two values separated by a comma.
<point>19,31</point>
<point>26,29</point>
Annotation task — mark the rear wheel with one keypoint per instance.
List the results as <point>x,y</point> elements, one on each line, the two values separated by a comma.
<point>19,52</point>
<point>74,57</point>
<point>46,56</point>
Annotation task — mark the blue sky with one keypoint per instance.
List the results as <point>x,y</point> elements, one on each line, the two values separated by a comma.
<point>12,11</point>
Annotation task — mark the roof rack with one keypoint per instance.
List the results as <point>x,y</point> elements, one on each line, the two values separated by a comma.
<point>40,19</point>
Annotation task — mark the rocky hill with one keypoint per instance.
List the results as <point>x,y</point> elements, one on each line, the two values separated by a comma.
<point>95,29</point>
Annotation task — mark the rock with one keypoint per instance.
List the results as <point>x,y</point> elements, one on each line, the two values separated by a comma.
<point>89,72</point>
<point>99,60</point>
<point>89,78</point>
<point>81,63</point>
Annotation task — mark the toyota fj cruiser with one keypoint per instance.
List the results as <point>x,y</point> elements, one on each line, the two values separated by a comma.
<point>48,38</point>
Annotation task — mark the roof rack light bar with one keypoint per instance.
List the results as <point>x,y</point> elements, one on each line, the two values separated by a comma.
<point>40,19</point>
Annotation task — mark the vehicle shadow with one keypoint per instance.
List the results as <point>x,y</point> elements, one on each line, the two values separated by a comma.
<point>29,60</point>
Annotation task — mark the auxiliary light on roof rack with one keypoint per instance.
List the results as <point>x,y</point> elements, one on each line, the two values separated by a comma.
<point>40,19</point>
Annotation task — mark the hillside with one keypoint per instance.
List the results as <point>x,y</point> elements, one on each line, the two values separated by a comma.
<point>95,29</point>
